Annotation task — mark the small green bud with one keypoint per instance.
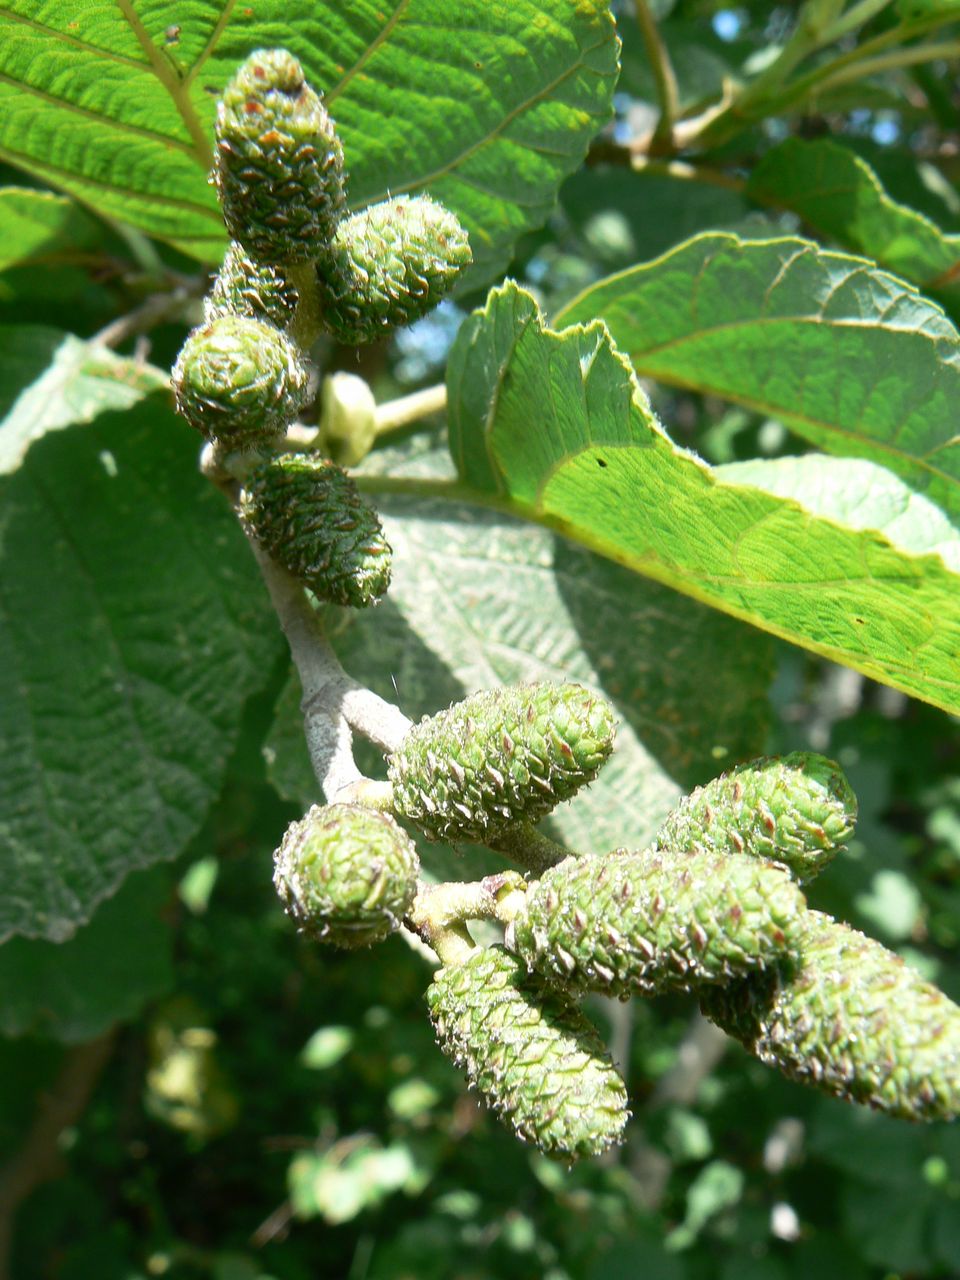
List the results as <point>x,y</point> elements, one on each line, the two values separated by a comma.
<point>239,381</point>
<point>796,810</point>
<point>346,875</point>
<point>279,162</point>
<point>245,287</point>
<point>348,417</point>
<point>535,1058</point>
<point>641,923</point>
<point>500,757</point>
<point>851,1018</point>
<point>388,266</point>
<point>308,514</point>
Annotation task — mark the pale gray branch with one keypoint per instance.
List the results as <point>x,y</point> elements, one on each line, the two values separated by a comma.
<point>333,703</point>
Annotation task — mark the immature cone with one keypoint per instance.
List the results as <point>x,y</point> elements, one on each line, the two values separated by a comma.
<point>796,810</point>
<point>641,923</point>
<point>388,266</point>
<point>239,381</point>
<point>850,1018</point>
<point>279,162</point>
<point>346,875</point>
<point>245,287</point>
<point>500,757</point>
<point>532,1054</point>
<point>307,513</point>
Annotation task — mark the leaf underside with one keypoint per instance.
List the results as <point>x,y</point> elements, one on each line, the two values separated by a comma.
<point>133,626</point>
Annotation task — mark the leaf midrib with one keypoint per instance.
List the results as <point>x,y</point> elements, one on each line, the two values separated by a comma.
<point>51,32</point>
<point>171,82</point>
<point>111,122</point>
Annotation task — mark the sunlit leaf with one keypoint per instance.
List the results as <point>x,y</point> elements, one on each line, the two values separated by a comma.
<point>852,358</point>
<point>600,468</point>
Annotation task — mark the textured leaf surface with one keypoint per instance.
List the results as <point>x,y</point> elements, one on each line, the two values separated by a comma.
<point>50,379</point>
<point>108,970</point>
<point>850,357</point>
<point>132,629</point>
<point>479,600</point>
<point>837,193</point>
<point>487,104</point>
<point>35,224</point>
<point>600,468</point>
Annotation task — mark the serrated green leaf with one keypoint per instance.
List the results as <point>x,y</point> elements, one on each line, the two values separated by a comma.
<point>36,224</point>
<point>106,973</point>
<point>50,380</point>
<point>600,468</point>
<point>839,195</point>
<point>133,627</point>
<point>850,357</point>
<point>488,105</point>
<point>479,600</point>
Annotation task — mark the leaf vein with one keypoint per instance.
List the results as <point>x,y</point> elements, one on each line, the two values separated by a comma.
<point>73,41</point>
<point>368,52</point>
<point>74,108</point>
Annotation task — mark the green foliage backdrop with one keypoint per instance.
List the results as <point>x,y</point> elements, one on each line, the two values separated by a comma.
<point>699,452</point>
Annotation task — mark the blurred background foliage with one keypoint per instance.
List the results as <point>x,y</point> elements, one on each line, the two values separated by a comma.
<point>270,1110</point>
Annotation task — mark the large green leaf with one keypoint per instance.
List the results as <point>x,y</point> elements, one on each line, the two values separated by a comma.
<point>554,425</point>
<point>487,104</point>
<point>839,195</point>
<point>107,971</point>
<point>852,358</point>
<point>50,379</point>
<point>480,599</point>
<point>133,626</point>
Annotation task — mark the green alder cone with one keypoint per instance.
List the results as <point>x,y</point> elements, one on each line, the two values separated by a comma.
<point>500,757</point>
<point>245,287</point>
<point>346,875</point>
<point>852,1019</point>
<point>239,381</point>
<point>308,514</point>
<point>642,923</point>
<point>388,266</point>
<point>796,810</point>
<point>279,163</point>
<point>536,1059</point>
